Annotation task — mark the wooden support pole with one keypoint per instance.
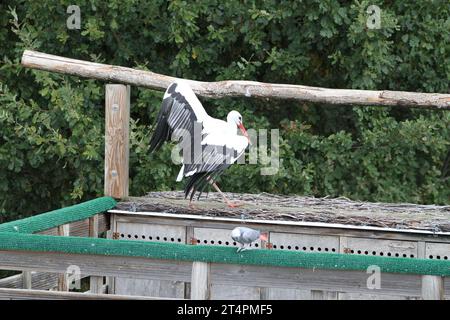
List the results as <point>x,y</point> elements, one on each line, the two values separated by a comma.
<point>96,283</point>
<point>117,121</point>
<point>26,280</point>
<point>432,287</point>
<point>231,88</point>
<point>64,231</point>
<point>200,281</point>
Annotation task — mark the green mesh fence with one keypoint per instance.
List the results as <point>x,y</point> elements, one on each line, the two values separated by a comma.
<point>218,254</point>
<point>16,235</point>
<point>59,217</point>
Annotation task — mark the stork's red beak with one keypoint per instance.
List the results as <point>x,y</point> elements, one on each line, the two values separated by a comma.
<point>244,132</point>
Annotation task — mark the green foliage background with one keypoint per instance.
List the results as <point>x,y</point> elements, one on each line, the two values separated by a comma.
<point>51,126</point>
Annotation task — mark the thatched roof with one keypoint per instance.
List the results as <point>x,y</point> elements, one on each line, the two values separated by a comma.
<point>295,208</point>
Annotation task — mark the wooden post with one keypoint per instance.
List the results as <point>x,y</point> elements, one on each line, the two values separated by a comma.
<point>62,280</point>
<point>26,280</point>
<point>117,120</point>
<point>432,287</point>
<point>200,281</point>
<point>96,283</point>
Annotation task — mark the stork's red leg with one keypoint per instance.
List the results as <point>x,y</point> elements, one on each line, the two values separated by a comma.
<point>227,201</point>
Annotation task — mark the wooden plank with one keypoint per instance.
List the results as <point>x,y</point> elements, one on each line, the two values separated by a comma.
<point>39,280</point>
<point>22,294</point>
<point>221,274</point>
<point>95,283</point>
<point>287,294</point>
<point>93,226</point>
<point>81,228</point>
<point>151,233</point>
<point>117,122</point>
<point>26,280</point>
<point>281,226</point>
<point>324,295</point>
<point>307,279</point>
<point>220,89</point>
<point>432,287</point>
<point>227,292</point>
<point>308,243</point>
<point>304,242</point>
<point>97,265</point>
<point>438,251</point>
<point>63,230</point>
<point>200,281</point>
<point>379,247</point>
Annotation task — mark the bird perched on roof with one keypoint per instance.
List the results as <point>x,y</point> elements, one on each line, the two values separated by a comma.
<point>209,145</point>
<point>245,236</point>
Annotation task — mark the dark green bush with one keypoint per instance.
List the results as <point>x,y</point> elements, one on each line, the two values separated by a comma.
<point>51,126</point>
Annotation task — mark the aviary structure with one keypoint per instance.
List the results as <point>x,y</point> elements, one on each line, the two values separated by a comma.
<point>155,247</point>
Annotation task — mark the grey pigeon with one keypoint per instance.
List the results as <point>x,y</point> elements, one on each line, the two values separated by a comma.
<point>245,236</point>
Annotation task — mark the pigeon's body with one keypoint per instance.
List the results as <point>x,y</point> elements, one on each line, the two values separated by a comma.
<point>245,236</point>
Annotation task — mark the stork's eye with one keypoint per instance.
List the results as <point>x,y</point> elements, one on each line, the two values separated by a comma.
<point>240,118</point>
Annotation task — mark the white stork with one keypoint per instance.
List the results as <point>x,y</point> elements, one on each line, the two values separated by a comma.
<point>216,143</point>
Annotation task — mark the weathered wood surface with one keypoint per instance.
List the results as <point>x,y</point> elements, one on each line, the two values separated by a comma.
<point>117,122</point>
<point>63,285</point>
<point>131,267</point>
<point>39,280</point>
<point>22,294</point>
<point>148,79</point>
<point>220,274</point>
<point>148,232</point>
<point>95,283</point>
<point>432,287</point>
<point>81,228</point>
<point>201,281</point>
<point>295,208</point>
<point>26,280</point>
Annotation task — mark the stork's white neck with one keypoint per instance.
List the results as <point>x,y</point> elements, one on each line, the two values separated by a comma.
<point>232,127</point>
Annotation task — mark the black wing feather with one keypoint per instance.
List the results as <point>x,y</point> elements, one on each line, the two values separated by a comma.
<point>175,114</point>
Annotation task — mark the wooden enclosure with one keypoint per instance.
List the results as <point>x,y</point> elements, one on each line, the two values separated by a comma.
<point>301,224</point>
<point>128,221</point>
<point>130,277</point>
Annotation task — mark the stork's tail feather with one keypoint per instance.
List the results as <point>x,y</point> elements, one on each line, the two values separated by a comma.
<point>162,132</point>
<point>198,182</point>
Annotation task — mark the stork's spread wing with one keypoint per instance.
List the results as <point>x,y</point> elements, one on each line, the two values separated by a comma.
<point>180,111</point>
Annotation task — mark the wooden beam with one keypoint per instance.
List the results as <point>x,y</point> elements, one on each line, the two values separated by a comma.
<point>22,294</point>
<point>221,274</point>
<point>117,120</point>
<point>63,230</point>
<point>26,280</point>
<point>432,287</point>
<point>96,283</point>
<point>201,281</point>
<point>220,89</point>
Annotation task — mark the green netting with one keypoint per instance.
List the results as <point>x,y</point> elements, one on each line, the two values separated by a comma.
<point>59,217</point>
<point>16,235</point>
<point>217,254</point>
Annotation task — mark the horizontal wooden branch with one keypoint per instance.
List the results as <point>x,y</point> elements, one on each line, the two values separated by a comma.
<point>235,88</point>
